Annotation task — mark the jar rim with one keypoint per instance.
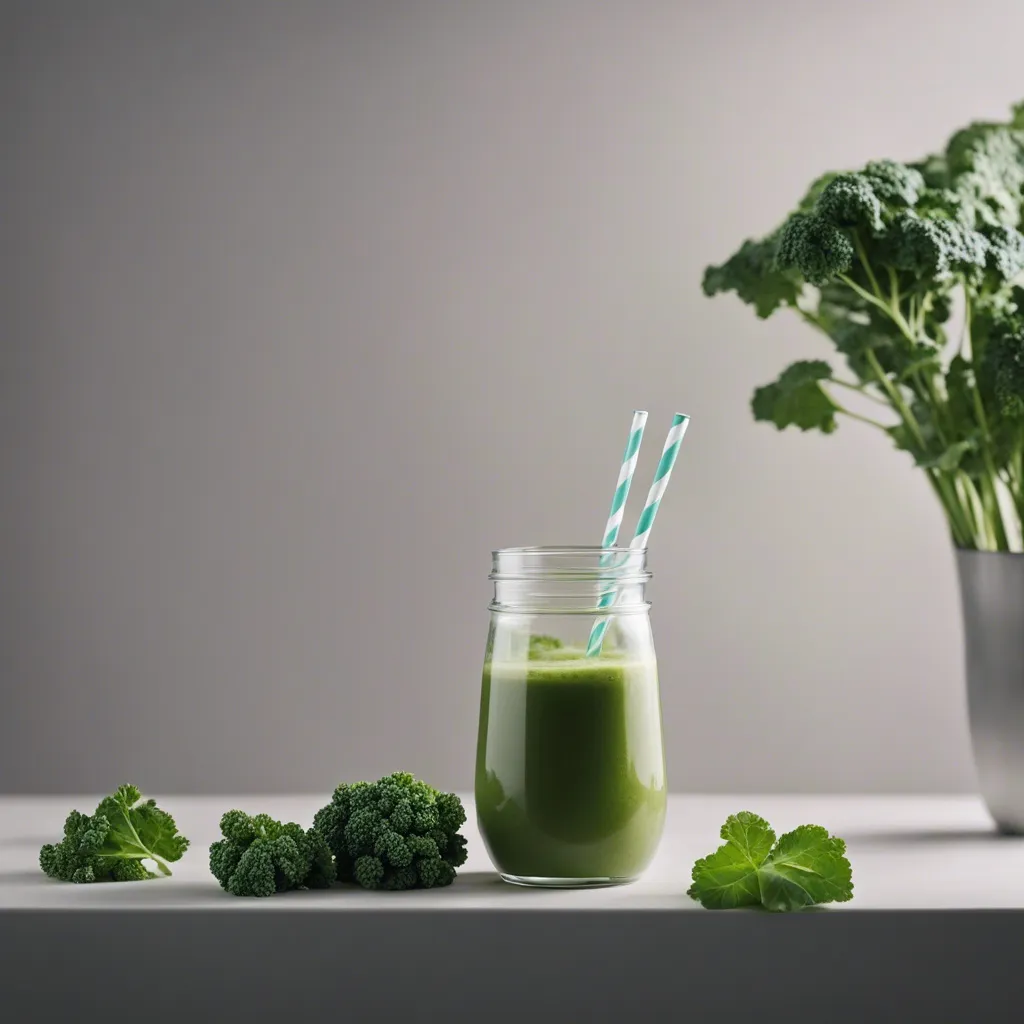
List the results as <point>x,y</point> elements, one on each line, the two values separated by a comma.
<point>578,563</point>
<point>568,549</point>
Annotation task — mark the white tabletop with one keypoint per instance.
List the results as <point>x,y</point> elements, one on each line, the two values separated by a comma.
<point>921,852</point>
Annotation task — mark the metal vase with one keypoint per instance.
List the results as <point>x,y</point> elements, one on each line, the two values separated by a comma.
<point>992,597</point>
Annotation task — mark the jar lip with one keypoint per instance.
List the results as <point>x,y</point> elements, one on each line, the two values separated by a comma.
<point>568,549</point>
<point>579,562</point>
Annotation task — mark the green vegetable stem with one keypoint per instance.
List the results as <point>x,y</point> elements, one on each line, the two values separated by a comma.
<point>914,274</point>
<point>805,867</point>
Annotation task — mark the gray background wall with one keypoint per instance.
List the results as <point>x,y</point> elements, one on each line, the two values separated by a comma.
<point>305,307</point>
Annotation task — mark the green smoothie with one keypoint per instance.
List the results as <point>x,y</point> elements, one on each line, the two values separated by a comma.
<point>570,771</point>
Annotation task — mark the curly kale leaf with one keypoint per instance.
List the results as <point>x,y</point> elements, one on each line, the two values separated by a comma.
<point>113,843</point>
<point>138,828</point>
<point>752,274</point>
<point>395,833</point>
<point>77,857</point>
<point>797,399</point>
<point>804,867</point>
<point>260,856</point>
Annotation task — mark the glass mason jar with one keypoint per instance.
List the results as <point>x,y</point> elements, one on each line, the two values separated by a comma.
<point>570,765</point>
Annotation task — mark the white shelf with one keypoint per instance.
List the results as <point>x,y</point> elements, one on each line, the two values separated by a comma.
<point>934,853</point>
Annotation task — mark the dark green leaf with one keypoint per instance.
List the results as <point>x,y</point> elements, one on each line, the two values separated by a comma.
<point>797,399</point>
<point>751,273</point>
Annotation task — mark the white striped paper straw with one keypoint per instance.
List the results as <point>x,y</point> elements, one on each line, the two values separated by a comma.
<point>626,471</point>
<point>646,522</point>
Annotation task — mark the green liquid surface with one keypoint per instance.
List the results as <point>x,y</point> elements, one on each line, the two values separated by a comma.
<point>570,772</point>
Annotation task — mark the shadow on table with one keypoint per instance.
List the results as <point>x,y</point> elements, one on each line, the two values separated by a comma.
<point>468,886</point>
<point>155,890</point>
<point>149,894</point>
<point>470,889</point>
<point>486,888</point>
<point>474,884</point>
<point>931,837</point>
<point>169,892</point>
<point>481,883</point>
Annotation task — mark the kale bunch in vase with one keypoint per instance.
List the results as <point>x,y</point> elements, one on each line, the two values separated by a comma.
<point>914,272</point>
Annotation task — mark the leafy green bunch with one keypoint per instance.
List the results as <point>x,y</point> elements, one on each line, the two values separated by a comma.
<point>914,273</point>
<point>751,868</point>
<point>260,856</point>
<point>115,843</point>
<point>395,833</point>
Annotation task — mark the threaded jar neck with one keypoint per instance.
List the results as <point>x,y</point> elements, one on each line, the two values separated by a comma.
<point>569,580</point>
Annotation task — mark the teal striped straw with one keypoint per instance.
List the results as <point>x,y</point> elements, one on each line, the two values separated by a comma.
<point>626,471</point>
<point>646,522</point>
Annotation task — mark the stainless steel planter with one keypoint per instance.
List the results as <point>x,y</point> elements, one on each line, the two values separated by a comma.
<point>992,596</point>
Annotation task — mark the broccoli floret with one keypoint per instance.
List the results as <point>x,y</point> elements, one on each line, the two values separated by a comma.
<point>396,833</point>
<point>938,239</point>
<point>1005,256</point>
<point>894,183</point>
<point>878,202</point>
<point>111,844</point>
<point>260,856</point>
<point>935,247</point>
<point>986,165</point>
<point>1003,369</point>
<point>815,246</point>
<point>850,201</point>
